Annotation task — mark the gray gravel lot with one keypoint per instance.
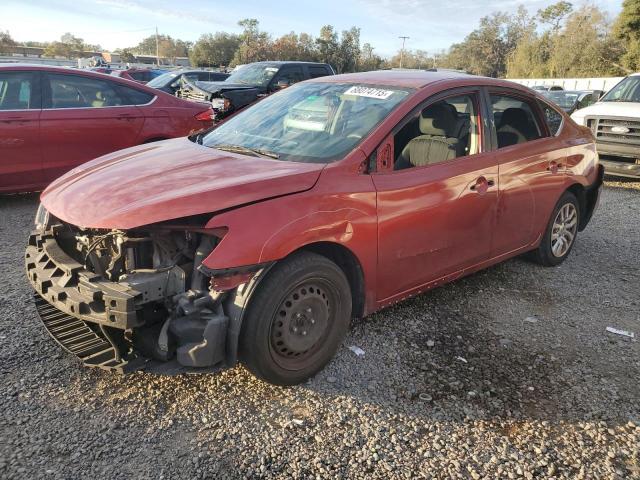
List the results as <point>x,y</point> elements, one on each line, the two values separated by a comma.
<point>506,374</point>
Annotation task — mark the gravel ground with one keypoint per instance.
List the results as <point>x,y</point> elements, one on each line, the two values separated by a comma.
<point>506,374</point>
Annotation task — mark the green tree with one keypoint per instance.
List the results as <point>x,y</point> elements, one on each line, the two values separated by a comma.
<point>328,46</point>
<point>368,60</point>
<point>255,44</point>
<point>126,55</point>
<point>627,29</point>
<point>6,42</point>
<point>584,48</point>
<point>348,54</point>
<point>69,46</point>
<point>167,47</point>
<point>554,14</point>
<point>214,50</point>
<point>418,59</point>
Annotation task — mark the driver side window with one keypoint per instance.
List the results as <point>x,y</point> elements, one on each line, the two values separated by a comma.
<point>440,132</point>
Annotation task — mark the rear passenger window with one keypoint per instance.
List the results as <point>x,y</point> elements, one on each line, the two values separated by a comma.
<point>551,116</point>
<point>132,96</point>
<point>514,120</point>
<point>76,91</point>
<point>442,131</point>
<point>315,72</point>
<point>290,75</point>
<point>15,91</point>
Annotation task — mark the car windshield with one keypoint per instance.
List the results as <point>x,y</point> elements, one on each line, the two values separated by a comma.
<point>162,80</point>
<point>562,99</point>
<point>628,90</point>
<point>309,122</point>
<point>256,74</point>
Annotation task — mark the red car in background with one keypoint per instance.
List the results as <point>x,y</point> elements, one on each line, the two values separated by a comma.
<point>53,119</point>
<point>140,75</point>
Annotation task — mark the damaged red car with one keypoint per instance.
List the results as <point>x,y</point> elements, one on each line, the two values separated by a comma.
<point>259,241</point>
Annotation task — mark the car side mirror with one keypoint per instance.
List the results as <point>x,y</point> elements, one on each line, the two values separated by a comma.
<point>282,84</point>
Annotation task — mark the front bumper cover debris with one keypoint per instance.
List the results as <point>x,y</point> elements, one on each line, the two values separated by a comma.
<point>74,290</point>
<point>90,316</point>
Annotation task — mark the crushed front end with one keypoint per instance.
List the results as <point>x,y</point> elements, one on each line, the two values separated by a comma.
<point>129,300</point>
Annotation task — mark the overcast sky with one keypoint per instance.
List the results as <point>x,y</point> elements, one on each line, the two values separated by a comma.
<point>432,24</point>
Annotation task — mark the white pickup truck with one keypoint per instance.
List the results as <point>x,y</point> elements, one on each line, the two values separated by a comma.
<point>615,123</point>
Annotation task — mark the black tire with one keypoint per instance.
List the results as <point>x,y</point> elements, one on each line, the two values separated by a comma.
<point>296,319</point>
<point>545,254</point>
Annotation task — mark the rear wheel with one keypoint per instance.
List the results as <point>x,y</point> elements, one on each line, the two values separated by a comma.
<point>296,319</point>
<point>561,232</point>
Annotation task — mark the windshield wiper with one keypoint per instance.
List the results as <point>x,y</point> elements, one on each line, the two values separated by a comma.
<point>257,152</point>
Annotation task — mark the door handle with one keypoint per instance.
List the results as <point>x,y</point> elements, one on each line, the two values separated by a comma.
<point>554,166</point>
<point>482,185</point>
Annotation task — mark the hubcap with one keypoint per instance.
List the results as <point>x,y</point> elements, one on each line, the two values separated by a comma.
<point>300,323</point>
<point>564,230</point>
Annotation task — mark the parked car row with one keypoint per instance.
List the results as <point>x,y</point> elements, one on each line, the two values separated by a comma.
<point>250,83</point>
<point>259,240</point>
<point>53,119</point>
<point>572,100</point>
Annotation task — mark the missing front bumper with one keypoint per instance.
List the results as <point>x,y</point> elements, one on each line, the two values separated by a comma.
<point>103,322</point>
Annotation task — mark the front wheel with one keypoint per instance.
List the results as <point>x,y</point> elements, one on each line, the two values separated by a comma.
<point>296,319</point>
<point>561,232</point>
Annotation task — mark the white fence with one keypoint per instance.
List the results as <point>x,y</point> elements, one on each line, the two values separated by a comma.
<point>605,83</point>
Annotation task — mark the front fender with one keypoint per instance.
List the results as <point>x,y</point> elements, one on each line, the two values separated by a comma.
<point>270,230</point>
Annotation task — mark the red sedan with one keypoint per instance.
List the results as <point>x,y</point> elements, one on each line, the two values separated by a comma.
<point>53,119</point>
<point>328,200</point>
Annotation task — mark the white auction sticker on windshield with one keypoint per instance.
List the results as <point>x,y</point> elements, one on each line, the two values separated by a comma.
<point>271,69</point>
<point>369,92</point>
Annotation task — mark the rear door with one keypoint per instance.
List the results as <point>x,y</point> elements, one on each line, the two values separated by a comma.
<point>20,143</point>
<point>316,71</point>
<point>532,169</point>
<point>289,74</point>
<point>84,118</point>
<point>437,193</point>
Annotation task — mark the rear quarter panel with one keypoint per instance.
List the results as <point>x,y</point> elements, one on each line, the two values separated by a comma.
<point>171,118</point>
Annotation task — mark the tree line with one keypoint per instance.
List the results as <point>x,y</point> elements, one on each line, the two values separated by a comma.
<point>557,41</point>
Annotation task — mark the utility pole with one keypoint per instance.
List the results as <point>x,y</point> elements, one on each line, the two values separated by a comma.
<point>157,47</point>
<point>402,51</point>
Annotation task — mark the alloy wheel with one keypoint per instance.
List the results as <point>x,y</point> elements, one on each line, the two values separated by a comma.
<point>563,231</point>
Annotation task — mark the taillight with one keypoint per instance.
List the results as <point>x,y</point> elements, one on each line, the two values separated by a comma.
<point>205,116</point>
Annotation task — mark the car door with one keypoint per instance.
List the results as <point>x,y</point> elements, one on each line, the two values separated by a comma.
<point>83,118</point>
<point>20,148</point>
<point>437,191</point>
<point>288,75</point>
<point>532,169</point>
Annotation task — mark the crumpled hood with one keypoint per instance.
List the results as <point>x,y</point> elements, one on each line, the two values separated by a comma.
<point>169,180</point>
<point>215,87</point>
<point>609,109</point>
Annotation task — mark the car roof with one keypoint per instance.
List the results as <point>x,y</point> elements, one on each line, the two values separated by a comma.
<point>416,78</point>
<point>77,71</point>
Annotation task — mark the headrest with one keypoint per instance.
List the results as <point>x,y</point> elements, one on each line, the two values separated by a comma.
<point>515,117</point>
<point>438,119</point>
